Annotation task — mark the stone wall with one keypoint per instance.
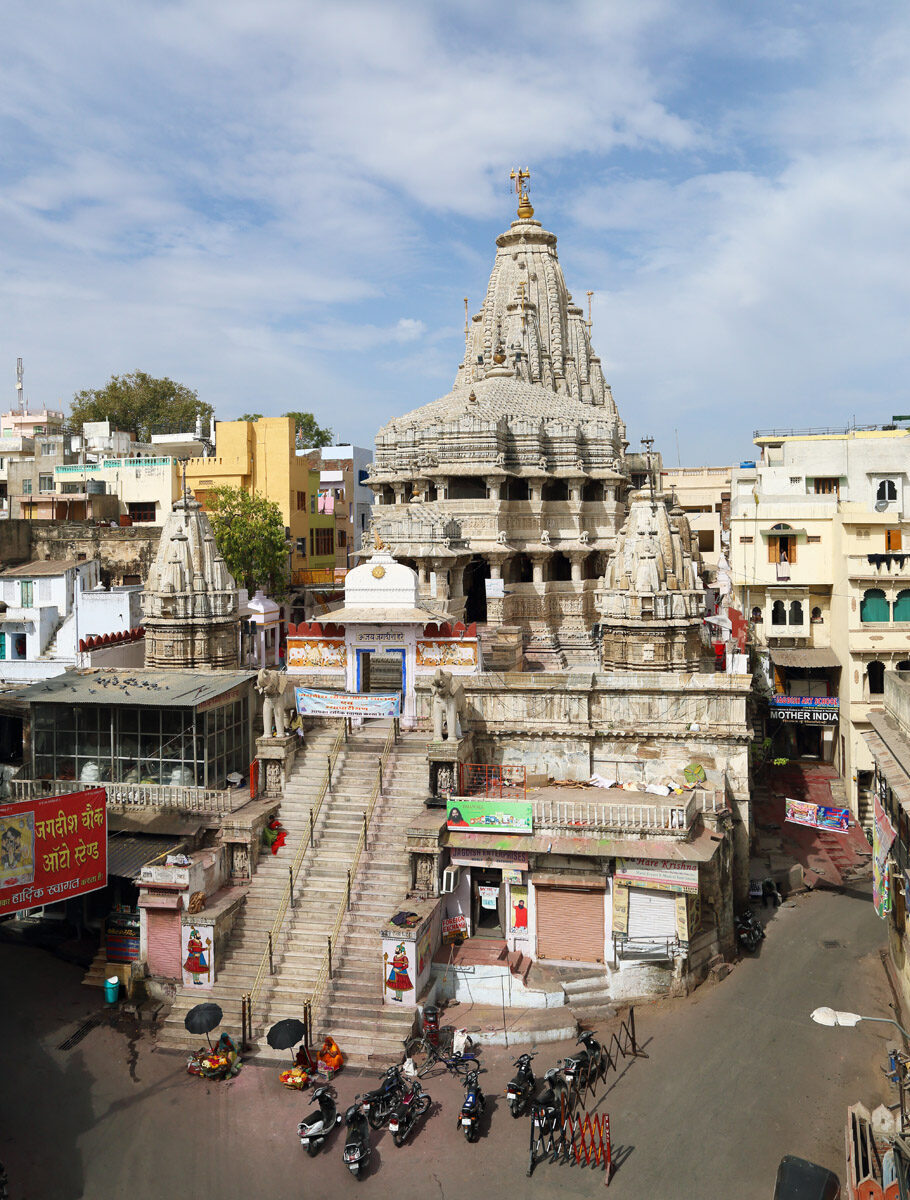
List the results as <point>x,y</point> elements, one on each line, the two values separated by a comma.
<point>124,552</point>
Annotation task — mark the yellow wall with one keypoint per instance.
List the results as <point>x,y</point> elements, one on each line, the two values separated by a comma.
<point>259,456</point>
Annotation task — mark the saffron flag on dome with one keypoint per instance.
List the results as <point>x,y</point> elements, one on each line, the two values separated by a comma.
<point>52,849</point>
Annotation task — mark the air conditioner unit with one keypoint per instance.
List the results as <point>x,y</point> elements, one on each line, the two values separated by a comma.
<point>451,877</point>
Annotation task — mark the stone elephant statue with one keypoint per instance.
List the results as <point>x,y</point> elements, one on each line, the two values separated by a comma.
<point>449,704</point>
<point>277,697</point>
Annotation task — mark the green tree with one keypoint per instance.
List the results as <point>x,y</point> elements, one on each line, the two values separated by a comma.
<point>250,417</point>
<point>249,532</point>
<point>309,433</point>
<point>140,404</point>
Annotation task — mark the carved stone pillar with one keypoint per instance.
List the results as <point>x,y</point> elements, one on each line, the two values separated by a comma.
<point>578,561</point>
<point>276,758</point>
<point>538,561</point>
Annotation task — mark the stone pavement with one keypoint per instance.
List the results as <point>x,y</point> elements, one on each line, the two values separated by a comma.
<point>736,1076</point>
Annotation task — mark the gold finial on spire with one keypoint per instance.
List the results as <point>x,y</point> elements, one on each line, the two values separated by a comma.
<point>378,543</point>
<point>520,179</point>
<point>590,321</point>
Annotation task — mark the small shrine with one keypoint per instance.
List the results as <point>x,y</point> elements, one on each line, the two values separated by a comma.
<point>382,639</point>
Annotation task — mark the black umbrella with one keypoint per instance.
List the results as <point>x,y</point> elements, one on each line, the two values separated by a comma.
<point>285,1034</point>
<point>203,1018</point>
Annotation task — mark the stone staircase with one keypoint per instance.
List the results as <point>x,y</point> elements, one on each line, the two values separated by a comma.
<point>266,890</point>
<point>352,1010</point>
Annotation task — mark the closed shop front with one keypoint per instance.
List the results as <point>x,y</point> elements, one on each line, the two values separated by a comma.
<point>570,920</point>
<point>652,914</point>
<point>162,911</point>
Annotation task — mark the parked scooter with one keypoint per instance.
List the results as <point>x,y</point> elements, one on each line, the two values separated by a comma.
<point>357,1142</point>
<point>380,1103</point>
<point>749,931</point>
<point>582,1068</point>
<point>547,1111</point>
<point>472,1108</point>
<point>316,1126</point>
<point>520,1089</point>
<point>410,1107</point>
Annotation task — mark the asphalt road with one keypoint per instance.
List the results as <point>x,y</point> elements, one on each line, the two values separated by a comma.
<point>736,1076</point>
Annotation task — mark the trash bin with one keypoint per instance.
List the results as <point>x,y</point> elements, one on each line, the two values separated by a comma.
<point>111,989</point>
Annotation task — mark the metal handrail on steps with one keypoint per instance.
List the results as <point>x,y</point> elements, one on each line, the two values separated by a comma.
<point>266,965</point>
<point>325,971</point>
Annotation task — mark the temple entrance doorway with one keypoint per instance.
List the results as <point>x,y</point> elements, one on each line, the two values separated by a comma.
<point>475,574</point>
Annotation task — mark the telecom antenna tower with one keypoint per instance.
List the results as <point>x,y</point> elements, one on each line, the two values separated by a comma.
<point>20,395</point>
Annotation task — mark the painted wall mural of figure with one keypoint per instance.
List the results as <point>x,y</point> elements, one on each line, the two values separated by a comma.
<point>519,905</point>
<point>198,958</point>
<point>397,980</point>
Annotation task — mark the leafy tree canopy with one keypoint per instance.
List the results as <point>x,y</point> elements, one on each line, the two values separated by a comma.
<point>250,417</point>
<point>249,532</point>
<point>140,404</point>
<point>309,433</point>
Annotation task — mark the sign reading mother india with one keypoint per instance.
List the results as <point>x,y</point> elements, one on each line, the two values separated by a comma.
<point>52,849</point>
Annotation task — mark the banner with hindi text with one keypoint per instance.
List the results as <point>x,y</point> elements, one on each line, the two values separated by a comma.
<point>52,849</point>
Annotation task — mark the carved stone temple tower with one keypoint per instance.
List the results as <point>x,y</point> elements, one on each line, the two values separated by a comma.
<point>652,602</point>
<point>191,611</point>
<point>506,494</point>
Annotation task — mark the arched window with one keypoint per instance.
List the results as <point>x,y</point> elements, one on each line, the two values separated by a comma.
<point>779,613</point>
<point>757,616</point>
<point>902,606</point>
<point>887,490</point>
<point>876,672</point>
<point>816,616</point>
<point>874,606</point>
<point>904,666</point>
<point>796,612</point>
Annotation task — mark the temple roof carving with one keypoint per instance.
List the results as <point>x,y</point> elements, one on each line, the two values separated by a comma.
<point>188,577</point>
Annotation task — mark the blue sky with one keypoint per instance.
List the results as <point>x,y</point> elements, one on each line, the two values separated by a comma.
<point>282,204</point>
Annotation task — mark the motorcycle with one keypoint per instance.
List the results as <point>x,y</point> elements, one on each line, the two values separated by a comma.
<point>581,1068</point>
<point>379,1103</point>
<point>520,1089</point>
<point>357,1142</point>
<point>404,1117</point>
<point>547,1112</point>
<point>315,1128</point>
<point>474,1104</point>
<point>749,932</point>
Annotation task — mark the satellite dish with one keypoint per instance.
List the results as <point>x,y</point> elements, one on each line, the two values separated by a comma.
<point>881,505</point>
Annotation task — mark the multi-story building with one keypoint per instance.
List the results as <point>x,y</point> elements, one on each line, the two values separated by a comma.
<point>703,493</point>
<point>817,532</point>
<point>22,423</point>
<point>344,494</point>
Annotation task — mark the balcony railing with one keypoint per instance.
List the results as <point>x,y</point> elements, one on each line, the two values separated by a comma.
<point>136,795</point>
<point>673,817</point>
<point>647,949</point>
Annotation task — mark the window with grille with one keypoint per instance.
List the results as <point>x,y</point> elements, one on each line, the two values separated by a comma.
<point>887,490</point>
<point>322,542</point>
<point>142,512</point>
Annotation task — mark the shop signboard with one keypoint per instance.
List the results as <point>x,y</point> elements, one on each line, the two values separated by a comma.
<point>512,859</point>
<point>489,896</point>
<point>818,816</point>
<point>313,703</point>
<point>52,849</point>
<point>489,816</point>
<point>660,874</point>
<point>454,928</point>
<point>806,710</point>
<point>883,835</point>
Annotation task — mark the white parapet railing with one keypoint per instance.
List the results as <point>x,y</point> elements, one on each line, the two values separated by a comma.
<point>667,817</point>
<point>138,795</point>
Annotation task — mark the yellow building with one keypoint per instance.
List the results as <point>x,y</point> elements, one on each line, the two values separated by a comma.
<point>260,456</point>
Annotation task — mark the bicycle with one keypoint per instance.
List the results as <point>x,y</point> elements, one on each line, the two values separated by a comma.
<point>425,1056</point>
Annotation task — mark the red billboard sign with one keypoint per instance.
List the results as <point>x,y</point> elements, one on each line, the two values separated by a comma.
<point>52,849</point>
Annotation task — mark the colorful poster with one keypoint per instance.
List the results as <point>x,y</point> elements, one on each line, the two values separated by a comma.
<point>321,653</point>
<point>818,816</point>
<point>883,835</point>
<point>660,874</point>
<point>313,703</point>
<point>620,909</point>
<point>197,955</point>
<point>490,816</point>
<point>489,896</point>
<point>52,849</point>
<point>454,928</point>
<point>518,909</point>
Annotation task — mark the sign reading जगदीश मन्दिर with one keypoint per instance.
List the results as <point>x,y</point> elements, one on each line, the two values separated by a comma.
<point>52,849</point>
<point>489,816</point>
<point>311,703</point>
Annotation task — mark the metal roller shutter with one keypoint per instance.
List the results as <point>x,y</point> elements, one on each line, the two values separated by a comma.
<point>164,942</point>
<point>570,924</point>
<point>652,914</point>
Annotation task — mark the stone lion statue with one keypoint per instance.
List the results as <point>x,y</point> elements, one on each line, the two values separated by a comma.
<point>277,697</point>
<point>449,704</point>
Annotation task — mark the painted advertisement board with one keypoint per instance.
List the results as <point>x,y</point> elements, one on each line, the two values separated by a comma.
<point>489,816</point>
<point>818,816</point>
<point>660,874</point>
<point>806,710</point>
<point>313,703</point>
<point>52,849</point>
